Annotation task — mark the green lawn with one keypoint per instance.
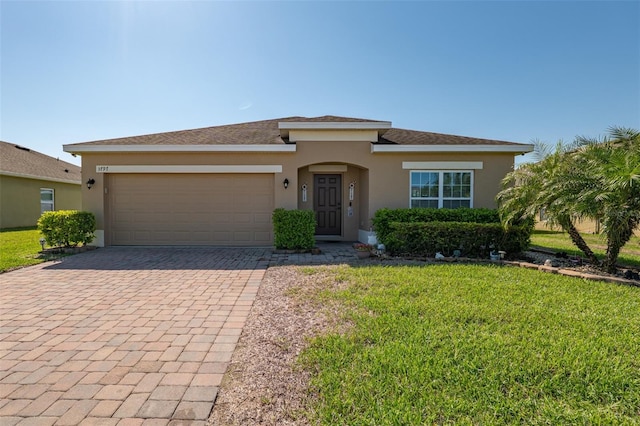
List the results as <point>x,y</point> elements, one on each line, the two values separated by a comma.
<point>19,247</point>
<point>477,344</point>
<point>560,241</point>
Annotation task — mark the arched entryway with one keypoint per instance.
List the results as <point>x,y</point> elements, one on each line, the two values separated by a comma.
<point>339,195</point>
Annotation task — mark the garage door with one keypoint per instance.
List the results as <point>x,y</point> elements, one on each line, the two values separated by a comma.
<point>190,209</point>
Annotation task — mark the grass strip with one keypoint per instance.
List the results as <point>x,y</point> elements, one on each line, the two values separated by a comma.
<point>19,247</point>
<point>478,344</point>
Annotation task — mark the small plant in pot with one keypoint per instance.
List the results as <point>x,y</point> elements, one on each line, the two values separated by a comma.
<point>363,250</point>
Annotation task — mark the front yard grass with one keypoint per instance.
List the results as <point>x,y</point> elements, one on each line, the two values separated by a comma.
<point>560,241</point>
<point>477,344</point>
<point>19,247</point>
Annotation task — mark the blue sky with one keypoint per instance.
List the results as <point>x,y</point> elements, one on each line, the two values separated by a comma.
<point>75,71</point>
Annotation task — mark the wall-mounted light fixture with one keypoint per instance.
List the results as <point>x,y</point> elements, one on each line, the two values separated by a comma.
<point>285,183</point>
<point>90,183</point>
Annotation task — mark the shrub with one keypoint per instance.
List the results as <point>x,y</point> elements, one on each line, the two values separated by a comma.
<point>67,228</point>
<point>472,239</point>
<point>294,229</point>
<point>383,218</point>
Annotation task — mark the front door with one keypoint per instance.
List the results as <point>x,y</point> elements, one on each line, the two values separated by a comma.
<point>327,204</point>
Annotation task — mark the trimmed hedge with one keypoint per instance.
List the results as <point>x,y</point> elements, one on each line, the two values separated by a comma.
<point>472,239</point>
<point>67,228</point>
<point>424,232</point>
<point>383,218</point>
<point>294,229</point>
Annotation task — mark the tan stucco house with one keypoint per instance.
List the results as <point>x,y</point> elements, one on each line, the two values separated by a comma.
<point>219,185</point>
<point>32,183</point>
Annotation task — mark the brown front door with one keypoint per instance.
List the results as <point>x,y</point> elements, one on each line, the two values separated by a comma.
<point>327,204</point>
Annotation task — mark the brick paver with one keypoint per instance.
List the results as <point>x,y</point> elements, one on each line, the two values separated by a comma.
<point>128,336</point>
<point>122,335</point>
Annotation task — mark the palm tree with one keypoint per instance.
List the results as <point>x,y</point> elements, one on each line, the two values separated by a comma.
<point>543,185</point>
<point>612,190</point>
<point>594,179</point>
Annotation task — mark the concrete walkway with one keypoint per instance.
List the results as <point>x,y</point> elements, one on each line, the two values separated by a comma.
<point>128,336</point>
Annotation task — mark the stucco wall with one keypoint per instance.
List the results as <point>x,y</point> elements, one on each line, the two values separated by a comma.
<point>380,179</point>
<point>20,199</point>
<point>388,182</point>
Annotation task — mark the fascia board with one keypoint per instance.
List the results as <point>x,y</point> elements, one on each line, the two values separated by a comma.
<point>333,125</point>
<point>75,149</point>
<point>451,148</point>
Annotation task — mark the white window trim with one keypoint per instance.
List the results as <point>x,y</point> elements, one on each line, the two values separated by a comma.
<point>52,202</point>
<point>441,184</point>
<point>442,165</point>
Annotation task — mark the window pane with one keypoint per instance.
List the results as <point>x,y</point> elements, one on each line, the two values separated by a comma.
<point>454,204</point>
<point>46,195</point>
<point>424,203</point>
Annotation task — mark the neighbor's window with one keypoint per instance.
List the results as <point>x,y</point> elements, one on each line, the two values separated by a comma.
<point>438,189</point>
<point>46,200</point>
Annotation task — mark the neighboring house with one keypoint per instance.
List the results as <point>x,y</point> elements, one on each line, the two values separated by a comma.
<point>32,183</point>
<point>219,185</point>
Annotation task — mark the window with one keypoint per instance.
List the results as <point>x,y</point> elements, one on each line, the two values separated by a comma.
<point>46,200</point>
<point>438,189</point>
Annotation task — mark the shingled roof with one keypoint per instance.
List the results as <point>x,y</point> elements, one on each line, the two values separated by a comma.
<point>414,137</point>
<point>16,160</point>
<point>266,132</point>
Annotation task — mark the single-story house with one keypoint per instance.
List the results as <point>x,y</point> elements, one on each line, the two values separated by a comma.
<point>32,183</point>
<point>219,185</point>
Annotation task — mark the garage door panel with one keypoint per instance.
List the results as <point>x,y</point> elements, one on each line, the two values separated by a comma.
<point>242,236</point>
<point>243,218</point>
<point>260,199</point>
<point>262,218</point>
<point>263,237</point>
<point>201,209</point>
<point>201,237</point>
<point>199,217</point>
<point>221,236</point>
<point>221,217</point>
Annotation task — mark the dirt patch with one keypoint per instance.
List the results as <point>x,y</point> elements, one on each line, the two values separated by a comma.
<point>263,384</point>
<point>560,261</point>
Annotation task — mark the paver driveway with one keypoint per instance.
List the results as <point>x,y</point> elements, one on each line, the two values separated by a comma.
<point>123,335</point>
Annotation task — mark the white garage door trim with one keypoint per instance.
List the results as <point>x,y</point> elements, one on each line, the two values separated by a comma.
<point>250,168</point>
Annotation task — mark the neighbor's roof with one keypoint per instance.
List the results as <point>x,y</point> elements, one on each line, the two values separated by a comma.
<point>19,161</point>
<point>268,132</point>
